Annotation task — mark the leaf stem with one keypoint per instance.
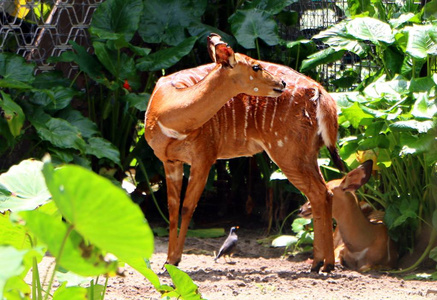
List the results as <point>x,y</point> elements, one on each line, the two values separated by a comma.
<point>150,189</point>
<point>58,258</point>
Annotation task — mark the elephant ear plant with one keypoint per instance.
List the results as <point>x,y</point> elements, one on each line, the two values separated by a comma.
<point>80,218</point>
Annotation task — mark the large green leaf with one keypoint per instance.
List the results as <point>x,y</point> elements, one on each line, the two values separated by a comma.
<point>115,18</point>
<point>53,99</point>
<point>87,62</point>
<point>139,101</point>
<point>422,41</point>
<point>26,186</point>
<point>412,125</point>
<point>424,107</point>
<point>356,115</point>
<point>122,66</point>
<point>60,133</point>
<point>13,114</point>
<point>249,25</point>
<point>324,56</point>
<point>102,148</point>
<point>166,58</point>
<point>86,127</point>
<point>166,20</point>
<point>101,212</point>
<point>369,29</point>
<point>77,255</point>
<point>14,67</point>
<point>337,37</point>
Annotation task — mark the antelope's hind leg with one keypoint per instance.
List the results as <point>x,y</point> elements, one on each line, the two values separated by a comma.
<point>307,178</point>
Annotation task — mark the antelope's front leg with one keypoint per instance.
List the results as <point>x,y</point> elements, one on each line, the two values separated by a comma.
<point>173,175</point>
<point>198,176</point>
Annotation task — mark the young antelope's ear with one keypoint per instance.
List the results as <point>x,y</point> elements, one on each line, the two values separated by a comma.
<point>358,177</point>
<point>220,52</point>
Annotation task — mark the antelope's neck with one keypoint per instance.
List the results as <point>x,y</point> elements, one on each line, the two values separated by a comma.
<point>355,229</point>
<point>181,107</point>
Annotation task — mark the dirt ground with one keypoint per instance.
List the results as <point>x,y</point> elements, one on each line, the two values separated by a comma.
<point>259,272</point>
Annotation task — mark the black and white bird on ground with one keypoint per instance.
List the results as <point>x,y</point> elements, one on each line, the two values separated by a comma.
<point>229,245</point>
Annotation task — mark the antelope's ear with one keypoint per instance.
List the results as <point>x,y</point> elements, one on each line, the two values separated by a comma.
<point>220,52</point>
<point>358,177</point>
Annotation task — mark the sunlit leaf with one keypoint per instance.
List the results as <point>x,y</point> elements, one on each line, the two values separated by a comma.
<point>11,264</point>
<point>424,107</point>
<point>119,228</point>
<point>369,29</point>
<point>77,255</point>
<point>356,115</point>
<point>422,41</point>
<point>13,234</point>
<point>70,293</point>
<point>412,125</point>
<point>26,186</point>
<point>284,241</point>
<point>324,56</point>
<point>184,285</point>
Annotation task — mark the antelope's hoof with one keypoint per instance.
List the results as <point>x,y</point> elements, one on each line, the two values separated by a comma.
<point>328,268</point>
<point>168,262</point>
<point>316,267</point>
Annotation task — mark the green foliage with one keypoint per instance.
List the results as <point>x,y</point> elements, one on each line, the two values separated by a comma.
<point>392,116</point>
<point>301,241</point>
<point>184,286</point>
<point>79,229</point>
<point>26,98</point>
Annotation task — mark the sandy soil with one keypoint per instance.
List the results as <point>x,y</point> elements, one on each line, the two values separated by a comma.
<point>260,272</point>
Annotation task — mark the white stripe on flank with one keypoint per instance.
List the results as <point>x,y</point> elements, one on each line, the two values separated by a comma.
<point>264,114</point>
<point>234,120</point>
<point>274,113</point>
<point>246,121</point>
<point>255,112</point>
<point>225,119</point>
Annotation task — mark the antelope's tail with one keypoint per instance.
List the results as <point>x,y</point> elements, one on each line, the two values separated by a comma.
<point>328,125</point>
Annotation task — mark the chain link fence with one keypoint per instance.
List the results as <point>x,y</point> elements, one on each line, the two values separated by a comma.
<point>38,30</point>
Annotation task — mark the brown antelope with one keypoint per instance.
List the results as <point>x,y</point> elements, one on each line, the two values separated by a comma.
<point>239,106</point>
<point>361,241</point>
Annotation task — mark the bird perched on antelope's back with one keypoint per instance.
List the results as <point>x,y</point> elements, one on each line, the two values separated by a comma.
<point>228,246</point>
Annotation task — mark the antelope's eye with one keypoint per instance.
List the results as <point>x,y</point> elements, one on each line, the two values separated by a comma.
<point>256,68</point>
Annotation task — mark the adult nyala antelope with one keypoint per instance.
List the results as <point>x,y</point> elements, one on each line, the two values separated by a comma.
<point>359,243</point>
<point>239,106</point>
